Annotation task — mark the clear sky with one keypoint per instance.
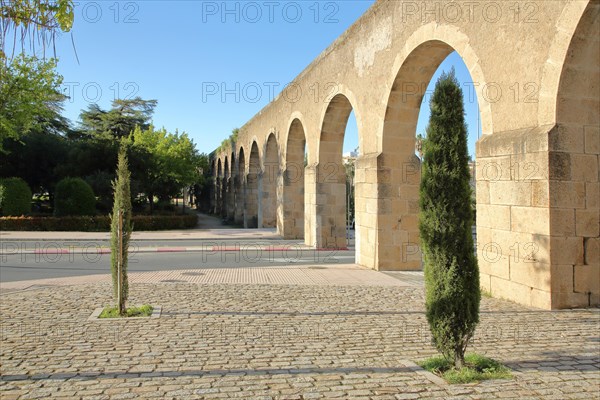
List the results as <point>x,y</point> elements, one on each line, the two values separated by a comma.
<point>211,65</point>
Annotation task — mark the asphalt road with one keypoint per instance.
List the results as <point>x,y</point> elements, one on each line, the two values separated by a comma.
<point>21,263</point>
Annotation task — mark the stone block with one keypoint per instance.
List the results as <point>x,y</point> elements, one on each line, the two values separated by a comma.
<point>533,274</point>
<point>566,250</point>
<point>592,139</point>
<point>584,167</point>
<point>562,221</point>
<point>493,169</point>
<point>505,289</point>
<point>510,193</point>
<point>587,223</point>
<point>540,196</point>
<point>567,138</point>
<point>567,194</point>
<point>592,195</point>
<point>528,220</point>
<point>587,278</point>
<point>591,250</point>
<point>493,216</point>
<point>491,263</point>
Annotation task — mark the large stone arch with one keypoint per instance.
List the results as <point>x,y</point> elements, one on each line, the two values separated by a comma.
<point>268,184</point>
<point>291,223</point>
<point>574,158</point>
<point>326,181</point>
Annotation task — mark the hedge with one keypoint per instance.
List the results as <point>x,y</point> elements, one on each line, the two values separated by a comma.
<point>99,223</point>
<point>74,196</point>
<point>15,197</point>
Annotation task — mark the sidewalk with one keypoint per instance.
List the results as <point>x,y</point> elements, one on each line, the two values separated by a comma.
<point>278,341</point>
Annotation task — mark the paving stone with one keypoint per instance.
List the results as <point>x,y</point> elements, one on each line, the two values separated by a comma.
<point>247,341</point>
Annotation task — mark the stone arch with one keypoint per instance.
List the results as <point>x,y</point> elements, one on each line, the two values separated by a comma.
<point>396,168</point>
<point>326,196</point>
<point>269,176</point>
<point>558,56</point>
<point>574,147</point>
<point>252,188</point>
<point>291,221</point>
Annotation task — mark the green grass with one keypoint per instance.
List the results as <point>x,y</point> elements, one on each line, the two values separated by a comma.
<point>112,312</point>
<point>477,368</point>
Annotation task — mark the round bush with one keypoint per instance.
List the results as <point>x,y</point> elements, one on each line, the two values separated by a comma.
<point>15,197</point>
<point>74,196</point>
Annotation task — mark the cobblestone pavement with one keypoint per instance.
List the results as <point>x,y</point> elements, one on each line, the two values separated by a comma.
<point>258,341</point>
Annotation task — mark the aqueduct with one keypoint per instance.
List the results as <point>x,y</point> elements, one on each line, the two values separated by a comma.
<point>536,70</point>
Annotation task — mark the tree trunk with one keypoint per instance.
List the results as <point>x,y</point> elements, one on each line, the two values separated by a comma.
<point>459,359</point>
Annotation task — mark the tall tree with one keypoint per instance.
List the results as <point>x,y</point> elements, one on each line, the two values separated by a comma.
<point>120,120</point>
<point>30,97</point>
<point>120,244</point>
<point>172,162</point>
<point>451,272</point>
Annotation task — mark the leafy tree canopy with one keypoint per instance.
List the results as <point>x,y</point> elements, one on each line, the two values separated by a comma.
<point>33,21</point>
<point>120,120</point>
<point>30,97</point>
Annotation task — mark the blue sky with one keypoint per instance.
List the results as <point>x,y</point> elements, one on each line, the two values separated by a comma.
<point>181,52</point>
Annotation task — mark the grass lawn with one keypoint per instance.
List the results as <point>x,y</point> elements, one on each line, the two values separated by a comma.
<point>113,312</point>
<point>477,368</point>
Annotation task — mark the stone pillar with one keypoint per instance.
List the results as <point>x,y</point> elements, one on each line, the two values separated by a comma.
<point>252,201</point>
<point>230,199</point>
<point>268,192</point>
<point>538,217</point>
<point>387,201</point>
<point>290,208</point>
<point>239,201</point>
<point>326,206</point>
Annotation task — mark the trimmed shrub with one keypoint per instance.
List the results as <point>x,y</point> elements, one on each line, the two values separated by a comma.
<point>452,293</point>
<point>97,223</point>
<point>72,197</point>
<point>15,197</point>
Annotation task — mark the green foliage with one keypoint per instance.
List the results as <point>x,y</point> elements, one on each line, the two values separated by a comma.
<point>34,21</point>
<point>121,205</point>
<point>171,161</point>
<point>97,223</point>
<point>15,197</point>
<point>229,143</point>
<point>74,196</point>
<point>477,368</point>
<point>38,158</point>
<point>113,312</point>
<point>30,97</point>
<point>119,121</point>
<point>451,272</point>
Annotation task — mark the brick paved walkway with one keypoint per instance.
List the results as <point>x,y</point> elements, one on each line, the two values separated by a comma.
<point>298,340</point>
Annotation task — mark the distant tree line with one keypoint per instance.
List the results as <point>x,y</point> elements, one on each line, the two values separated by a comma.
<point>42,147</point>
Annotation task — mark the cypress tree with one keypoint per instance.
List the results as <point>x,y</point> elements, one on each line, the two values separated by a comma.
<point>122,202</point>
<point>451,272</point>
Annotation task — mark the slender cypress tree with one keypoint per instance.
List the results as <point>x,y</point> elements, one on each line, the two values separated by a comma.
<point>451,272</point>
<point>122,202</point>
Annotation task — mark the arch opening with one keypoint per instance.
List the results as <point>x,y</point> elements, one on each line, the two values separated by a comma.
<point>398,167</point>
<point>291,207</point>
<point>240,183</point>
<point>268,185</point>
<point>252,188</point>
<point>328,226</point>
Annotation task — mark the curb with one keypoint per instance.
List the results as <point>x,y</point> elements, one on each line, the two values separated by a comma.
<point>213,249</point>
